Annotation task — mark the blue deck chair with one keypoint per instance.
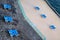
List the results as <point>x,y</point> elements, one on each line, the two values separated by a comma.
<point>52,27</point>
<point>13,32</point>
<point>37,8</point>
<point>8,19</point>
<point>7,6</point>
<point>43,15</point>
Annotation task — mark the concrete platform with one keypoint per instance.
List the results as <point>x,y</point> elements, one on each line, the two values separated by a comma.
<point>42,24</point>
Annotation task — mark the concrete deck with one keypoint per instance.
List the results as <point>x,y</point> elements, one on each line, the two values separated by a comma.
<point>40,23</point>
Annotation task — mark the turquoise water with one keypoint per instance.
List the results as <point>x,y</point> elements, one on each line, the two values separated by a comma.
<point>55,4</point>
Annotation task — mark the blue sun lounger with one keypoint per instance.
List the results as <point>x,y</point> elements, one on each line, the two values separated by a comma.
<point>7,6</point>
<point>13,32</point>
<point>8,19</point>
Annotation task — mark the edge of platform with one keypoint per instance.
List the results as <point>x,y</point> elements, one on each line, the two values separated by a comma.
<point>32,25</point>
